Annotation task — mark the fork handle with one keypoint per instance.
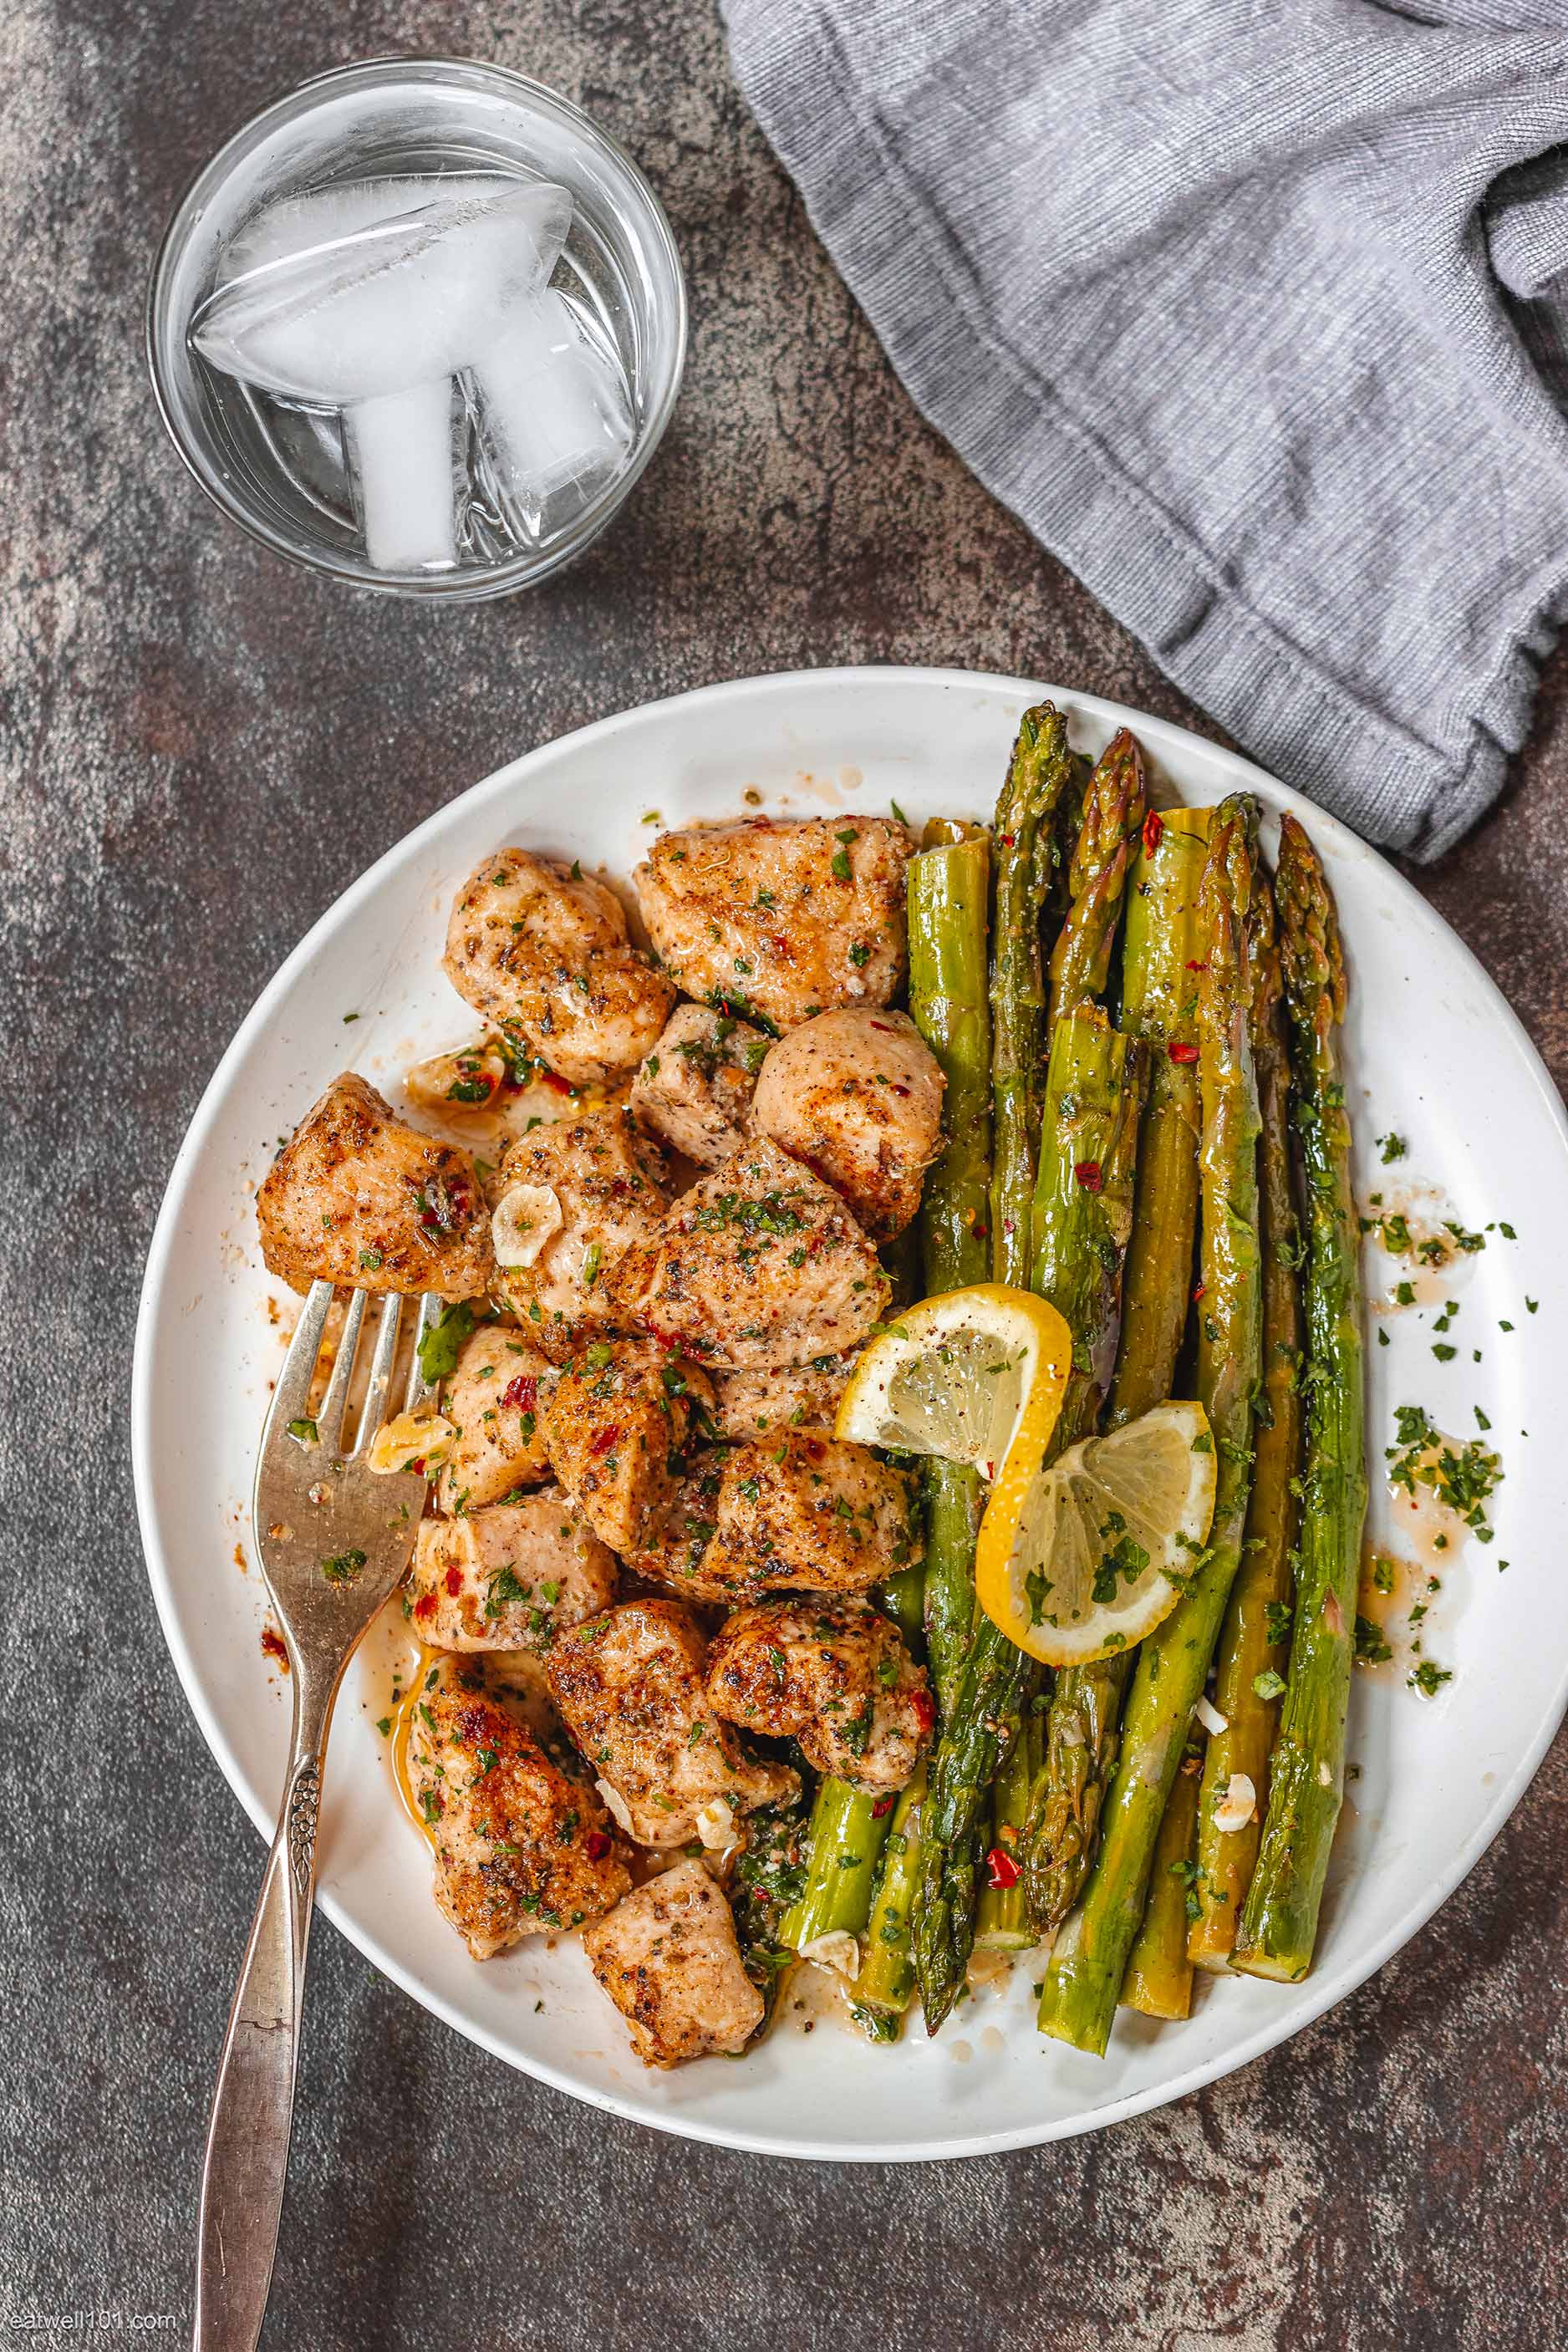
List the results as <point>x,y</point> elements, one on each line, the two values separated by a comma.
<point>246,2167</point>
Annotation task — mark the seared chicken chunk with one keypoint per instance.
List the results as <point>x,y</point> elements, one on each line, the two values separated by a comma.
<point>356,1196</point>
<point>804,1513</point>
<point>495,1399</point>
<point>542,951</point>
<point>695,1085</point>
<point>617,1422</point>
<point>570,1200</point>
<point>521,1849</point>
<point>796,1396</point>
<point>630,1690</point>
<point>836,1676</point>
<point>669,1960</point>
<point>783,919</point>
<point>508,1577</point>
<point>760,1264</point>
<point>857,1096</point>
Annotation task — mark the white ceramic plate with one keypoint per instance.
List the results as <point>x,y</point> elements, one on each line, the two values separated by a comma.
<point>1433,1052</point>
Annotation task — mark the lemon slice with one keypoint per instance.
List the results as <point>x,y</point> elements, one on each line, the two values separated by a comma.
<point>1088,1556</point>
<point>973,1375</point>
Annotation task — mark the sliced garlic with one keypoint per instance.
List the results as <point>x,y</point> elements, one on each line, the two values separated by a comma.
<point>423,1437</point>
<point>457,1086</point>
<point>1209,1715</point>
<point>522,1221</point>
<point>1236,1804</point>
<point>840,1950</point>
<point>1325,1778</point>
<point>716,1824</point>
<point>616,1805</point>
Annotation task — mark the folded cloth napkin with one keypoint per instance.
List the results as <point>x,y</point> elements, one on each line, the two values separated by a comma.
<point>1257,315</point>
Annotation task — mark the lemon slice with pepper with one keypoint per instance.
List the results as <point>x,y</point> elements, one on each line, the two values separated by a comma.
<point>1086,1556</point>
<point>975,1376</point>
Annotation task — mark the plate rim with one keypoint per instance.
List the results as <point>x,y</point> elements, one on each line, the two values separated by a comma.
<point>1334,1985</point>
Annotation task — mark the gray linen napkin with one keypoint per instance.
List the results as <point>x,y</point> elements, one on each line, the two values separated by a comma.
<point>1255,314</point>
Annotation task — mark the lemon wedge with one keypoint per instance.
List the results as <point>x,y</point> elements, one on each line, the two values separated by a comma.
<point>1088,1556</point>
<point>975,1376</point>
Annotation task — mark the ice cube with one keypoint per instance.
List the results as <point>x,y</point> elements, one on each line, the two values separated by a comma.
<point>400,458</point>
<point>391,305</point>
<point>553,407</point>
<point>291,224</point>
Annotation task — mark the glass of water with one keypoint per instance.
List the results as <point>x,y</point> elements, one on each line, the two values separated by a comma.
<point>283,463</point>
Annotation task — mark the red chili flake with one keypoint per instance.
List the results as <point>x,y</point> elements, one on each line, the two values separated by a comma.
<point>427,1217</point>
<point>417,1465</point>
<point>1008,1225</point>
<point>1008,839</point>
<point>779,944</point>
<point>882,1029</point>
<point>1001,1870</point>
<point>1183,1053</point>
<point>1193,965</point>
<point>426,1605</point>
<point>815,1447</point>
<point>900,1090</point>
<point>1086,1172</point>
<point>982,1233</point>
<point>923,1709</point>
<point>1154,831</point>
<point>596,1845</point>
<point>883,1805</point>
<point>522,1394</point>
<point>557,1085</point>
<point>454,1582</point>
<point>722,1005</point>
<point>606,1439</point>
<point>1197,1292</point>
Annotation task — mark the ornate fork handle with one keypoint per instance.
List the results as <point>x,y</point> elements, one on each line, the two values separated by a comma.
<point>246,2162</point>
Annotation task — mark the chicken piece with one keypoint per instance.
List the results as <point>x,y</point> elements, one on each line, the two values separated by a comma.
<point>522,1848</point>
<point>669,1960</point>
<point>508,1577</point>
<point>806,1514</point>
<point>760,1264</point>
<point>802,1514</point>
<point>356,1196</point>
<point>695,1088</point>
<point>836,1676</point>
<point>782,919</point>
<point>796,1396</point>
<point>541,951</point>
<point>617,1423</point>
<point>570,1201</point>
<point>857,1096</point>
<point>495,1399</point>
<point>629,1688</point>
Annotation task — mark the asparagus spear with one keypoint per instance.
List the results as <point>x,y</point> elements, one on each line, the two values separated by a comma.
<point>1084,1979</point>
<point>1083,1212</point>
<point>1254,1641</point>
<point>1001,1919</point>
<point>886,1984</point>
<point>948,892</point>
<point>1158,1005</point>
<point>843,1845</point>
<point>1112,821</point>
<point>1159,1979</point>
<point>1040,772</point>
<point>1279,1920</point>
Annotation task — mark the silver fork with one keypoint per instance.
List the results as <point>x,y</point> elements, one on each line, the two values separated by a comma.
<point>333,1538</point>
